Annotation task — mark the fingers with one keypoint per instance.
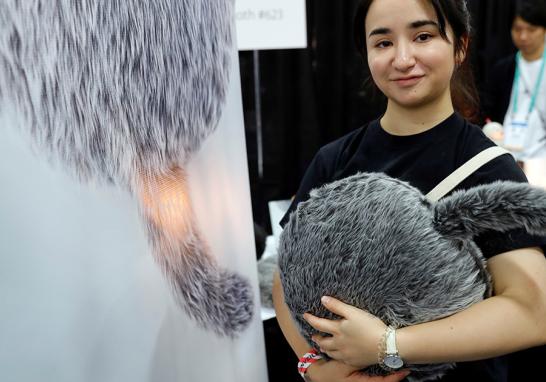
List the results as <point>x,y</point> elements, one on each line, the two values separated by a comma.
<point>344,310</point>
<point>336,306</point>
<point>335,355</point>
<point>326,344</point>
<point>321,324</point>
<point>333,305</point>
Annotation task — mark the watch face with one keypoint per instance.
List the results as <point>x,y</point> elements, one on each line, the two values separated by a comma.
<point>393,361</point>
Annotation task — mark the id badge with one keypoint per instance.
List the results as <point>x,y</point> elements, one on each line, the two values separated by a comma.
<point>514,135</point>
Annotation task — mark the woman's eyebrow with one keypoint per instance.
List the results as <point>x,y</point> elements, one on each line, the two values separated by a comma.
<point>422,23</point>
<point>412,25</point>
<point>380,31</point>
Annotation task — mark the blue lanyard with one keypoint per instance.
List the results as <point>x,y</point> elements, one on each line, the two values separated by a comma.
<point>537,85</point>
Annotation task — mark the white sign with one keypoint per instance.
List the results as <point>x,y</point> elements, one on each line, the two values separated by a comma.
<point>271,24</point>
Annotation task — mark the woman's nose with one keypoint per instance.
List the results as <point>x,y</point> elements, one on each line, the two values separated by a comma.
<point>404,58</point>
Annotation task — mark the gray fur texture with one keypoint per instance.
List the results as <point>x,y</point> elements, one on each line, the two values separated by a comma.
<point>153,72</point>
<point>266,269</point>
<point>377,243</point>
<point>124,92</point>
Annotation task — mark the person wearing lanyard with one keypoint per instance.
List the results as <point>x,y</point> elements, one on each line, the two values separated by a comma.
<point>522,133</point>
<point>517,91</point>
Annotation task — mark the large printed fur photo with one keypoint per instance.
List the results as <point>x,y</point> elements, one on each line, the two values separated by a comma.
<point>125,93</point>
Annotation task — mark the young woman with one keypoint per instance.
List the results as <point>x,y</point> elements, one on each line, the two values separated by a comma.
<point>416,52</point>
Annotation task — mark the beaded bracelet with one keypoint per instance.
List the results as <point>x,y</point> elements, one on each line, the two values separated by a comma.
<point>307,360</point>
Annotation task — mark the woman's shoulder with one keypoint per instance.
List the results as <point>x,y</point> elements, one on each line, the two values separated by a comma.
<point>474,140</point>
<point>504,167</point>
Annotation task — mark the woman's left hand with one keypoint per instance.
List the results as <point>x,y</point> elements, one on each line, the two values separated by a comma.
<point>355,338</point>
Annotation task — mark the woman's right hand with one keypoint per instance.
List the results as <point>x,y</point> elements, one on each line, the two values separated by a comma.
<point>334,371</point>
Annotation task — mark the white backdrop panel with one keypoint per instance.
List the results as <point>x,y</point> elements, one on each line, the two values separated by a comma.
<point>81,298</point>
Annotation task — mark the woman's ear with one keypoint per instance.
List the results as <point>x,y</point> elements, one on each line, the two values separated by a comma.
<point>499,206</point>
<point>461,53</point>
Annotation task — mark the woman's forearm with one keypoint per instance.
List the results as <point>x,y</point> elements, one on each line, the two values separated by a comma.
<point>454,340</point>
<point>321,370</point>
<point>288,327</point>
<point>512,320</point>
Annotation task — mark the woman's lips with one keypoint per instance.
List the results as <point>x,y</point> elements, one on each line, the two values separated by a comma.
<point>407,81</point>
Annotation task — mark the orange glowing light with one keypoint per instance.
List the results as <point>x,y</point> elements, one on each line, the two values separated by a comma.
<point>165,200</point>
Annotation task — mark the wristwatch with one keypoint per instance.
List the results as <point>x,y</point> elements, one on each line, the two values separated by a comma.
<point>391,359</point>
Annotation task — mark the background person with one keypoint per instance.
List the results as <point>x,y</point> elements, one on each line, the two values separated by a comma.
<point>517,89</point>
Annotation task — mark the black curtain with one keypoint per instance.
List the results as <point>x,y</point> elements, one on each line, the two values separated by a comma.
<point>491,40</point>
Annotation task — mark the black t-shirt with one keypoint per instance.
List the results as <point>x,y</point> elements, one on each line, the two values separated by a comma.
<point>424,160</point>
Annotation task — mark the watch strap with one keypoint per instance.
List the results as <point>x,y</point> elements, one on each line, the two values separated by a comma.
<point>388,358</point>
<point>390,341</point>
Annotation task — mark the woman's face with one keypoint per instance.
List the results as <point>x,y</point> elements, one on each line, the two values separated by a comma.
<point>527,37</point>
<point>408,58</point>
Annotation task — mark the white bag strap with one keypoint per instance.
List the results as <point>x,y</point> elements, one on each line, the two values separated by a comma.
<point>464,172</point>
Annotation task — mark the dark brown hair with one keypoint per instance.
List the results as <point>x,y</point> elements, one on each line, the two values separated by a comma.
<point>449,12</point>
<point>532,11</point>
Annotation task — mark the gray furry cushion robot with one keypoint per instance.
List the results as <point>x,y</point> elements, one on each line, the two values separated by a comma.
<point>377,243</point>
